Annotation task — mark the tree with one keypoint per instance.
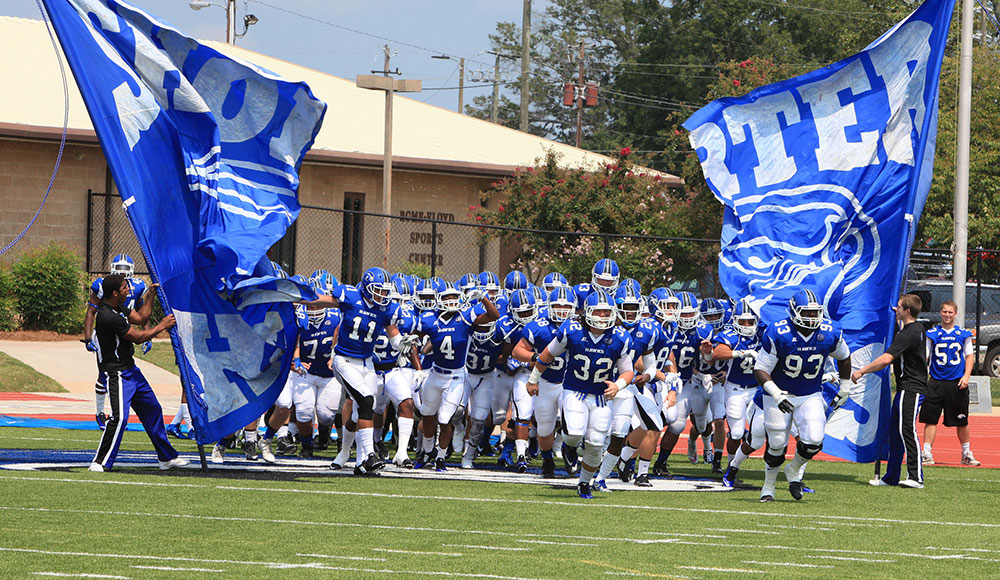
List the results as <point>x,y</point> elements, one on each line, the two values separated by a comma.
<point>615,199</point>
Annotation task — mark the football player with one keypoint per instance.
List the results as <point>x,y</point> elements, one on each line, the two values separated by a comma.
<point>713,313</point>
<point>315,390</point>
<point>789,367</point>
<point>512,388</point>
<point>536,336</point>
<point>481,364</point>
<point>596,352</point>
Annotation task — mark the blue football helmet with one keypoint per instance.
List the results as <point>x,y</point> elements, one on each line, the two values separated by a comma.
<point>688,313</point>
<point>605,275</point>
<point>713,313</point>
<point>628,304</point>
<point>805,309</point>
<point>541,298</point>
<point>123,264</point>
<point>633,283</point>
<point>664,305</point>
<point>599,311</point>
<point>278,270</point>
<point>489,283</point>
<point>375,286</point>
<point>425,295</point>
<point>514,281</point>
<point>553,280</point>
<point>401,292</point>
<point>522,306</point>
<point>562,304</point>
<point>449,297</point>
<point>324,282</point>
<point>467,282</point>
<point>745,320</point>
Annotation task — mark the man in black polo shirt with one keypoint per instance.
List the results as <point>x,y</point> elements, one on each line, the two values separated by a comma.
<point>115,338</point>
<point>907,355</point>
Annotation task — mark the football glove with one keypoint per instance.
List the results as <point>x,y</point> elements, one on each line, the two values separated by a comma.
<point>831,377</point>
<point>745,354</point>
<point>90,344</point>
<point>147,346</point>
<point>784,405</point>
<point>474,295</point>
<point>842,395</point>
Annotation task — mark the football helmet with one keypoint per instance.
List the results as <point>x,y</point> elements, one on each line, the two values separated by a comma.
<point>375,286</point>
<point>401,292</point>
<point>562,304</point>
<point>805,309</point>
<point>633,283</point>
<point>605,275</point>
<point>490,284</point>
<point>522,306</point>
<point>688,314</point>
<point>628,305</point>
<point>552,280</point>
<point>541,298</point>
<point>745,320</point>
<point>483,333</point>
<point>713,313</point>
<point>467,282</point>
<point>514,281</point>
<point>599,311</point>
<point>449,297</point>
<point>425,296</point>
<point>123,264</point>
<point>664,305</point>
<point>324,282</point>
<point>278,270</point>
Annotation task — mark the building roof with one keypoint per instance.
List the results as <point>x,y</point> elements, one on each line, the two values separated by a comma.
<point>424,136</point>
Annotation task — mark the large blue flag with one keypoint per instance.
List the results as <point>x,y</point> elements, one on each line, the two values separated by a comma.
<point>823,178</point>
<point>205,150</point>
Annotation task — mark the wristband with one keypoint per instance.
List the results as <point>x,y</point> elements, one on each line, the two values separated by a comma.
<point>621,383</point>
<point>534,376</point>
<point>395,341</point>
<point>534,357</point>
<point>651,373</point>
<point>92,305</point>
<point>771,388</point>
<point>296,362</point>
<point>846,385</point>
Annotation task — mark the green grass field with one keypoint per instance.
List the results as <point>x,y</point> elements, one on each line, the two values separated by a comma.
<point>17,377</point>
<point>161,355</point>
<point>140,523</point>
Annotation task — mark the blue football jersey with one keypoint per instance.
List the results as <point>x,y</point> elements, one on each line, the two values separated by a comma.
<point>582,292</point>
<point>663,345</point>
<point>799,361</point>
<point>686,343</point>
<point>136,289</point>
<point>483,356</point>
<point>361,322</point>
<point>450,337</point>
<point>511,332</point>
<point>406,323</point>
<point>643,336</point>
<point>740,370</point>
<point>590,361</point>
<point>539,333</point>
<point>947,352</point>
<point>316,343</point>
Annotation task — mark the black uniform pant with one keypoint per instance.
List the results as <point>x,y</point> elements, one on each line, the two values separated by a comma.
<point>903,437</point>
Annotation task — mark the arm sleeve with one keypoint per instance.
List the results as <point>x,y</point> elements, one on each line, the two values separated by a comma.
<point>967,349</point>
<point>649,364</point>
<point>624,363</point>
<point>928,348</point>
<point>842,351</point>
<point>557,346</point>
<point>767,357</point>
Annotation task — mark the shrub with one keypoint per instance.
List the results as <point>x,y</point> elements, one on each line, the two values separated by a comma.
<point>49,285</point>
<point>414,269</point>
<point>10,318</point>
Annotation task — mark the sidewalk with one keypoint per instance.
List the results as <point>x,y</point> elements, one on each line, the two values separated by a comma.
<point>75,368</point>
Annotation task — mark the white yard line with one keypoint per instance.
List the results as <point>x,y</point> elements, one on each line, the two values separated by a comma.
<point>574,504</point>
<point>685,535</point>
<point>791,528</point>
<point>391,551</point>
<point>558,543</point>
<point>962,549</point>
<point>64,575</point>
<point>786,564</point>
<point>853,559</point>
<point>486,547</point>
<point>171,569</point>
<point>740,570</point>
<point>342,557</point>
<point>742,531</point>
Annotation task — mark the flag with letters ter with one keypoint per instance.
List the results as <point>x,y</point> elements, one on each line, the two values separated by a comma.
<point>823,178</point>
<point>205,150</point>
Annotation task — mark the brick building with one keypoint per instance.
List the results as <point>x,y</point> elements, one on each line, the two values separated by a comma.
<point>441,162</point>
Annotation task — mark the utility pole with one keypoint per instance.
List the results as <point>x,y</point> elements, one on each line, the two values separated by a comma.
<point>231,21</point>
<point>390,86</point>
<point>962,164</point>
<point>496,88</point>
<point>579,102</point>
<point>461,82</point>
<point>525,63</point>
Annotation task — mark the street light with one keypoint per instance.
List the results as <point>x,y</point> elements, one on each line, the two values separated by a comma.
<point>461,75</point>
<point>230,8</point>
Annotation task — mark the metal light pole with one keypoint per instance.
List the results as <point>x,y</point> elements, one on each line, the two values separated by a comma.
<point>461,77</point>
<point>230,8</point>
<point>525,63</point>
<point>961,246</point>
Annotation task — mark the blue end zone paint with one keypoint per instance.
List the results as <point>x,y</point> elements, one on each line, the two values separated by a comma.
<point>7,421</point>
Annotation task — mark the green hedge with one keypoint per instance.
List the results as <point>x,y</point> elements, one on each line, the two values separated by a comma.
<point>49,287</point>
<point>10,318</point>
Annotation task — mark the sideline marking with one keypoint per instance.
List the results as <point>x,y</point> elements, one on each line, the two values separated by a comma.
<point>169,569</point>
<point>342,557</point>
<point>791,528</point>
<point>486,547</point>
<point>573,504</point>
<point>786,564</point>
<point>743,531</point>
<point>742,571</point>
<point>61,574</point>
<point>685,535</point>
<point>851,559</point>
<point>558,543</point>
<point>449,554</point>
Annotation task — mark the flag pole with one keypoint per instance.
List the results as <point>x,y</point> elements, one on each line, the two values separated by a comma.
<point>961,243</point>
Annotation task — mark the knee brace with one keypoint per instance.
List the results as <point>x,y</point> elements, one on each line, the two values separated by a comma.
<point>774,460</point>
<point>592,454</point>
<point>807,450</point>
<point>572,440</point>
<point>365,406</point>
<point>476,430</point>
<point>458,417</point>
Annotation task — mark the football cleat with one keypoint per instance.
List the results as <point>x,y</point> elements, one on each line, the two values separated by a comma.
<point>266,451</point>
<point>600,485</point>
<point>548,467</point>
<point>692,451</point>
<point>878,482</point>
<point>505,460</point>
<point>285,446</point>
<point>911,483</point>
<point>717,463</point>
<point>96,467</point>
<point>402,462</point>
<point>660,469</point>
<point>381,451</point>
<point>643,481</point>
<point>306,452</point>
<point>336,466</point>
<point>102,420</point>
<point>172,430</point>
<point>570,459</point>
<point>627,472</point>
<point>175,462</point>
<point>766,498</point>
<point>928,459</point>
<point>795,488</point>
<point>968,459</point>
<point>522,464</point>
<point>219,453</point>
<point>532,448</point>
<point>709,457</point>
<point>583,490</point>
<point>421,461</point>
<point>466,463</point>
<point>250,450</point>
<point>323,437</point>
<point>729,477</point>
<point>439,465</point>
<point>487,450</point>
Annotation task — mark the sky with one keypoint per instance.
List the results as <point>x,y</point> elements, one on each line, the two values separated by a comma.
<point>345,38</point>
